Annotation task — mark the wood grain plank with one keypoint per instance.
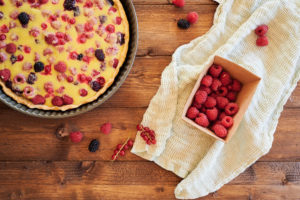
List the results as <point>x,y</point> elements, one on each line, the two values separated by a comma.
<point>21,138</point>
<point>131,173</point>
<point>168,2</point>
<point>142,192</point>
<point>158,31</point>
<point>144,80</point>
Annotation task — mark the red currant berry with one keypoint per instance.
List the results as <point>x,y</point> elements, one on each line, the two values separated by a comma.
<point>130,143</point>
<point>119,146</point>
<point>72,21</point>
<point>146,129</point>
<point>139,127</point>
<point>70,79</point>
<point>44,26</point>
<point>27,49</point>
<point>20,57</point>
<point>126,147</point>
<point>116,151</point>
<point>122,153</point>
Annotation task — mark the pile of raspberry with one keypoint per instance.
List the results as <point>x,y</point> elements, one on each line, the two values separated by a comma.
<point>214,104</point>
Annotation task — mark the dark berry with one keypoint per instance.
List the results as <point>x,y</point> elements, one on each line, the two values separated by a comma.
<point>99,54</point>
<point>8,84</point>
<point>94,145</point>
<point>38,66</point>
<point>23,18</point>
<point>102,19</point>
<point>80,56</point>
<point>111,2</point>
<point>183,24</point>
<point>31,78</point>
<point>13,59</point>
<point>120,38</point>
<point>96,86</point>
<point>69,4</point>
<point>1,14</point>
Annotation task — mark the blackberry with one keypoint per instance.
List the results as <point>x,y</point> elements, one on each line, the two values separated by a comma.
<point>102,19</point>
<point>17,91</point>
<point>38,66</point>
<point>76,11</point>
<point>1,14</point>
<point>13,59</point>
<point>95,85</point>
<point>8,84</point>
<point>183,24</point>
<point>94,145</point>
<point>100,54</point>
<point>31,78</point>
<point>80,56</point>
<point>69,4</point>
<point>121,38</point>
<point>23,18</point>
<point>111,2</point>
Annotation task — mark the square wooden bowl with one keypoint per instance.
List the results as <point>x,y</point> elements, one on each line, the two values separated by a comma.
<point>249,81</point>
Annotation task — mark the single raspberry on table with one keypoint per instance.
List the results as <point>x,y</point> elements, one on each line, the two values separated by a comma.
<point>215,84</point>
<point>222,102</point>
<point>261,30</point>
<point>202,120</point>
<point>215,70</point>
<point>178,3</point>
<point>206,89</point>
<point>207,80</point>
<point>76,136</point>
<point>212,114</point>
<point>262,41</point>
<point>231,109</point>
<point>210,102</point>
<point>106,128</point>
<point>236,85</point>
<point>231,96</point>
<point>220,130</point>
<point>225,78</point>
<point>192,112</point>
<point>192,17</point>
<point>227,121</point>
<point>200,97</point>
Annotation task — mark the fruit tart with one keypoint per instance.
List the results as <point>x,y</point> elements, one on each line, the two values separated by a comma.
<point>60,54</point>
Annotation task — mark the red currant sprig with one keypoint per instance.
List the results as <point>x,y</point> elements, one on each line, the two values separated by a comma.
<point>121,148</point>
<point>147,134</point>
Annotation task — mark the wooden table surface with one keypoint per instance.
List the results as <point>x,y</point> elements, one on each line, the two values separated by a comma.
<point>34,164</point>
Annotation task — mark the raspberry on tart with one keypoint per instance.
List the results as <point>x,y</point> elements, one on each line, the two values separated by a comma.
<point>61,54</point>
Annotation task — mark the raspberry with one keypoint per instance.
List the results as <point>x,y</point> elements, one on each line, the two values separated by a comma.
<point>106,128</point>
<point>236,85</point>
<point>2,37</point>
<point>231,108</point>
<point>192,112</point>
<point>202,120</point>
<point>200,97</point>
<point>207,80</point>
<point>206,89</point>
<point>225,78</point>
<point>110,28</point>
<point>227,121</point>
<point>38,99</point>
<point>262,41</point>
<point>57,101</point>
<point>43,1</point>
<point>222,91</point>
<point>222,115</point>
<point>198,106</point>
<point>67,99</point>
<point>192,17</point>
<point>212,114</point>
<point>215,70</point>
<point>51,39</point>
<point>5,74</point>
<point>222,102</point>
<point>94,145</point>
<point>261,30</point>
<point>101,80</point>
<point>210,102</point>
<point>216,83</point>
<point>76,136</point>
<point>11,48</point>
<point>220,130</point>
<point>231,96</point>
<point>60,67</point>
<point>23,18</point>
<point>83,92</point>
<point>178,3</point>
<point>183,24</point>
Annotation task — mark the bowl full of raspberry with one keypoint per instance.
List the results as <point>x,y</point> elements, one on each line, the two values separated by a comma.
<point>220,98</point>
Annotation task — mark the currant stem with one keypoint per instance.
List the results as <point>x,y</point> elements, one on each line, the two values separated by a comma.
<point>117,154</point>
